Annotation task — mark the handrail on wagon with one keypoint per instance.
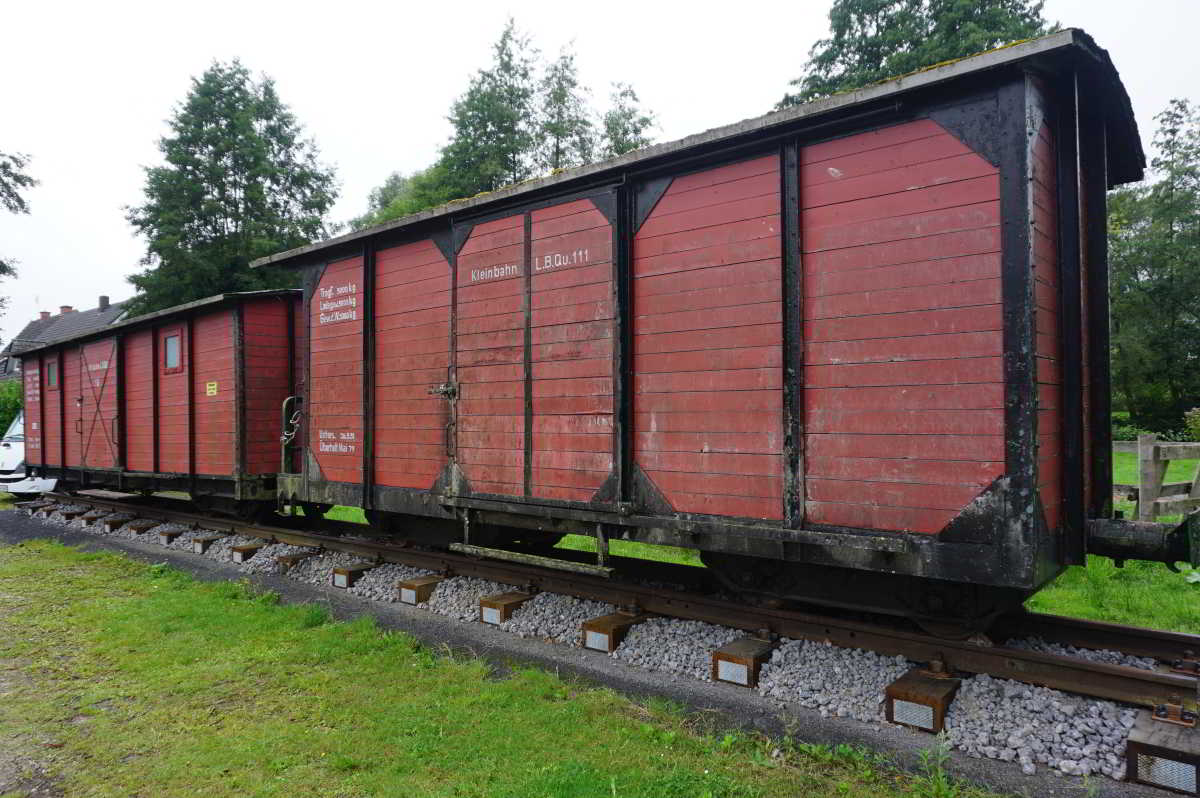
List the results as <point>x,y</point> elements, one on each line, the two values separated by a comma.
<point>289,426</point>
<point>1154,496</point>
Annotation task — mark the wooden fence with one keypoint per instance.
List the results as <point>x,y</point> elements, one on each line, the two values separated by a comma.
<point>1153,496</point>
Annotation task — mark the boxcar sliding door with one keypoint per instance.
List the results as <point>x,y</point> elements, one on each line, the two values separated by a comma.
<point>534,343</point>
<point>98,390</point>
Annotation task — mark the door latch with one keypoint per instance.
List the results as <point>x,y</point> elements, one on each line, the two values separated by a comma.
<point>447,390</point>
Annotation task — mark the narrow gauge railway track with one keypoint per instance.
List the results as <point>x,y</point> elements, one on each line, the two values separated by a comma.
<point>1134,686</point>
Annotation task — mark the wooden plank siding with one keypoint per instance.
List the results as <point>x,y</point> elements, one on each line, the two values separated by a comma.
<point>173,408</point>
<point>267,378</point>
<point>1047,325</point>
<point>214,414</point>
<point>98,392</point>
<point>490,353</point>
<point>72,399</point>
<point>412,355</point>
<point>335,407</point>
<point>52,396</point>
<point>707,342</point>
<point>903,396</point>
<point>138,413</point>
<point>572,322</point>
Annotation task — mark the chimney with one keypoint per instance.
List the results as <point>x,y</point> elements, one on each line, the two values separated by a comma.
<point>64,309</point>
<point>104,303</point>
<point>45,314</point>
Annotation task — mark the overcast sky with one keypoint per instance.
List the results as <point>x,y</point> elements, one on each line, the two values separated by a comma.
<point>87,87</point>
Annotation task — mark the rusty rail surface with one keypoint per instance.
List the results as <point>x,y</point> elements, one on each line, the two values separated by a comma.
<point>1130,685</point>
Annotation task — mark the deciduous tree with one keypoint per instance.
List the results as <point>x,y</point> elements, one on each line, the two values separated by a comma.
<point>626,124</point>
<point>1154,259</point>
<point>872,40</point>
<point>239,182</point>
<point>13,182</point>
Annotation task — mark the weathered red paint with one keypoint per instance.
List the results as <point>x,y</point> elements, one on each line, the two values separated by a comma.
<point>707,342</point>
<point>138,413</point>
<point>98,404</point>
<point>412,354</point>
<point>491,330</point>
<point>92,422</point>
<point>903,398</point>
<point>335,407</point>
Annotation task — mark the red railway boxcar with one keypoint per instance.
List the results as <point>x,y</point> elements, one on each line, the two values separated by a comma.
<point>855,352</point>
<point>186,399</point>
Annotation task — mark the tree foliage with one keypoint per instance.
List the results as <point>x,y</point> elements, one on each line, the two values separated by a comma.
<point>494,134</point>
<point>517,119</point>
<point>626,123</point>
<point>239,182</point>
<point>1154,259</point>
<point>872,40</point>
<point>13,181</point>
<point>565,132</point>
<point>11,402</point>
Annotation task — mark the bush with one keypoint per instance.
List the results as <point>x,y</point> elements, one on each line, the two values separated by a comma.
<point>1125,431</point>
<point>10,402</point>
<point>1191,423</point>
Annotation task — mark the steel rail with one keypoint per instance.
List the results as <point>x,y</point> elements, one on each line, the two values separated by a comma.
<point>1115,682</point>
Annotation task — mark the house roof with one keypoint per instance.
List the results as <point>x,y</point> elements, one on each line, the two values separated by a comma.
<point>65,325</point>
<point>1066,48</point>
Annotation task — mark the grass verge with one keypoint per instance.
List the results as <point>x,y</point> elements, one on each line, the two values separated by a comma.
<point>1141,593</point>
<point>140,680</point>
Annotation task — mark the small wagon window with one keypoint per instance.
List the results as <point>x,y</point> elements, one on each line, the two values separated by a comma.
<point>52,375</point>
<point>171,351</point>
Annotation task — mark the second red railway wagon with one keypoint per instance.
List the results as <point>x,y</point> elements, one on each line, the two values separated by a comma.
<point>184,399</point>
<point>850,351</point>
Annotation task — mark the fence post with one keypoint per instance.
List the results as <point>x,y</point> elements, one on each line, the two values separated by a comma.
<point>1150,476</point>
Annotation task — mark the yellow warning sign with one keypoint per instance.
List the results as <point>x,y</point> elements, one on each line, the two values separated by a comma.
<point>210,388</point>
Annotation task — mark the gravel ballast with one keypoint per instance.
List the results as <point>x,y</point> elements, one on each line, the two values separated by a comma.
<point>317,570</point>
<point>1092,654</point>
<point>838,682</point>
<point>458,597</point>
<point>552,616</point>
<point>263,561</point>
<point>223,549</point>
<point>675,646</point>
<point>380,584</point>
<point>1010,721</point>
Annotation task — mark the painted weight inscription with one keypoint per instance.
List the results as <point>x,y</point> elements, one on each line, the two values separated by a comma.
<point>337,303</point>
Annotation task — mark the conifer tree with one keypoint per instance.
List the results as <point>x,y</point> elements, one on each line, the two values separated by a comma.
<point>239,182</point>
<point>494,137</point>
<point>566,135</point>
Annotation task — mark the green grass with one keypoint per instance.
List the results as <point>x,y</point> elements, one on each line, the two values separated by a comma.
<point>1125,472</point>
<point>354,515</point>
<point>631,548</point>
<point>141,680</point>
<point>1141,593</point>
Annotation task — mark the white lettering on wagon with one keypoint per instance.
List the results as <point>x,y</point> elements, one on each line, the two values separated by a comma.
<point>337,442</point>
<point>337,303</point>
<point>558,260</point>
<point>495,272</point>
